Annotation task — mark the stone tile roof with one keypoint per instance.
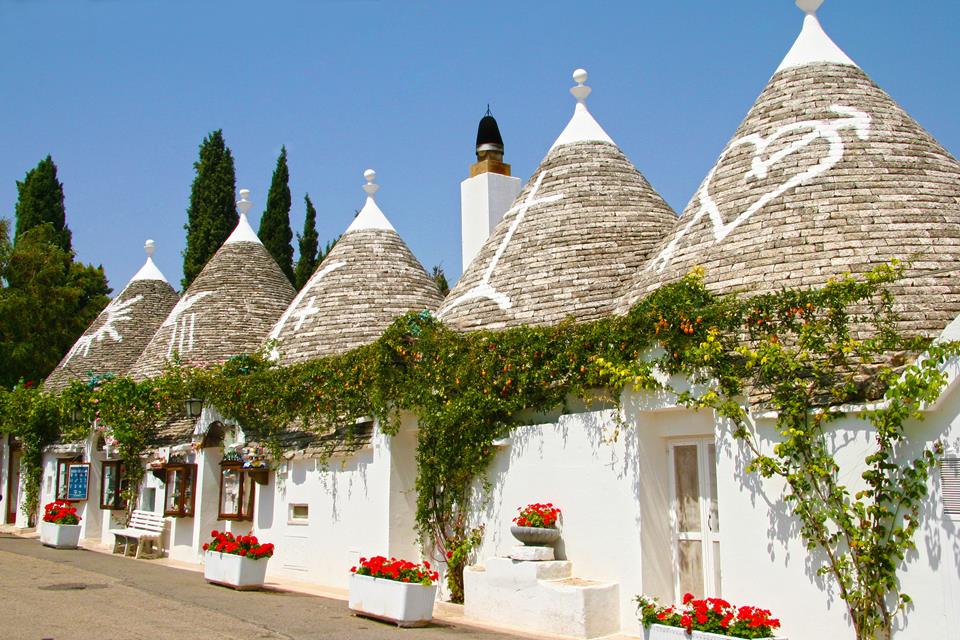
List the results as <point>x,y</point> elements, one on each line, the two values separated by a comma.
<point>226,311</point>
<point>826,175</point>
<point>577,232</point>
<point>114,341</point>
<point>175,430</point>
<point>343,441</point>
<point>367,280</point>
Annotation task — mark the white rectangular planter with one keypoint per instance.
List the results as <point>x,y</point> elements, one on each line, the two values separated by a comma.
<point>235,571</point>
<point>59,536</point>
<point>663,632</point>
<point>403,603</point>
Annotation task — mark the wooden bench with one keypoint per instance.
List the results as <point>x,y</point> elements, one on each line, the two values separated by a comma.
<point>144,527</point>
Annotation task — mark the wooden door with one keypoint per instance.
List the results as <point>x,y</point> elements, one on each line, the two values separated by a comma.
<point>694,516</point>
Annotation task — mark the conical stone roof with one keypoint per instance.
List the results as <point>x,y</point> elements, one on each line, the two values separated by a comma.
<point>114,341</point>
<point>577,232</point>
<point>227,310</point>
<point>826,175</point>
<point>367,280</point>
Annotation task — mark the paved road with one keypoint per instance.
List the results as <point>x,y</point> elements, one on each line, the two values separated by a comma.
<point>80,595</point>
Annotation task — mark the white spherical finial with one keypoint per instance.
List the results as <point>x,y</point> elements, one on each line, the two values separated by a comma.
<point>809,6</point>
<point>149,247</point>
<point>244,204</point>
<point>581,91</point>
<point>370,187</point>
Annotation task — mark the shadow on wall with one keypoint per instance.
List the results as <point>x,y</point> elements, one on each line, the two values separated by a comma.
<point>266,499</point>
<point>354,468</point>
<point>559,446</point>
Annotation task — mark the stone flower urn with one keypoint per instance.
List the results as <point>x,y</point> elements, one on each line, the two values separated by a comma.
<point>536,536</point>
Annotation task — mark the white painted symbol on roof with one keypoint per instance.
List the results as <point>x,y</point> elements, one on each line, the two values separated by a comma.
<point>183,326</point>
<point>292,309</point>
<point>484,289</point>
<point>116,311</point>
<point>305,313</point>
<point>829,130</point>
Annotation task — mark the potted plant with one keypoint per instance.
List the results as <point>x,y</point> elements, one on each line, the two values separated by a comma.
<point>60,528</point>
<point>706,619</point>
<point>537,524</point>
<point>236,561</point>
<point>395,590</point>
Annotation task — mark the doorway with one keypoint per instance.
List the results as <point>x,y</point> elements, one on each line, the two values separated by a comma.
<point>13,485</point>
<point>694,518</point>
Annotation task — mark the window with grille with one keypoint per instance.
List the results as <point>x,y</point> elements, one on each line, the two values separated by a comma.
<point>950,485</point>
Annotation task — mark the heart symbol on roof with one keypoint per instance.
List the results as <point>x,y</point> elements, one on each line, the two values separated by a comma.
<point>775,167</point>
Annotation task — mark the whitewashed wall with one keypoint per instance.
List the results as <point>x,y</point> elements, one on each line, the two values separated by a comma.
<point>573,462</point>
<point>352,502</point>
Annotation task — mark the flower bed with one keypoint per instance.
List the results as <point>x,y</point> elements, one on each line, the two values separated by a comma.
<point>394,590</point>
<point>711,617</point>
<point>236,561</point>
<point>60,528</point>
<point>60,512</point>
<point>541,516</point>
<point>246,546</point>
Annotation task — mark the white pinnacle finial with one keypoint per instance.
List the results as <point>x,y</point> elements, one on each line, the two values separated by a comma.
<point>244,204</point>
<point>149,270</point>
<point>581,91</point>
<point>370,187</point>
<point>809,6</point>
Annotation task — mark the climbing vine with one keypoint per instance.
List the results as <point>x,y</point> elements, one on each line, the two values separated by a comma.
<point>802,354</point>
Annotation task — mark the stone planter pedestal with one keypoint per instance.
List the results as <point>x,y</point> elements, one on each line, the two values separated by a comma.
<point>231,570</point>
<point>541,596</point>
<point>59,536</point>
<point>402,603</point>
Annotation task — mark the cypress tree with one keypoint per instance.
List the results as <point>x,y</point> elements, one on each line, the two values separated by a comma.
<point>40,200</point>
<point>308,242</point>
<point>212,215</point>
<point>275,232</point>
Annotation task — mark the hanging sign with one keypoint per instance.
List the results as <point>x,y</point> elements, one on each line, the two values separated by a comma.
<point>78,481</point>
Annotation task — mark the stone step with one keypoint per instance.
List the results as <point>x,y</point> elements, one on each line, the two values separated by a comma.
<point>541,596</point>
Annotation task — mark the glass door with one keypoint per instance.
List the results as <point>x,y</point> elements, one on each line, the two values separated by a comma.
<point>694,518</point>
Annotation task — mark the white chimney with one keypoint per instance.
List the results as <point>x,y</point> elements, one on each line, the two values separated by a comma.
<point>489,191</point>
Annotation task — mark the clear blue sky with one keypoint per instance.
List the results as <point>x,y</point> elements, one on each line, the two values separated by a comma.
<point>122,92</point>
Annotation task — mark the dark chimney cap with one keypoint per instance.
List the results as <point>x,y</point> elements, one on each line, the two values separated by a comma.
<point>488,134</point>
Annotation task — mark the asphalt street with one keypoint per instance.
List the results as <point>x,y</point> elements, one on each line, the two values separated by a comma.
<point>80,595</point>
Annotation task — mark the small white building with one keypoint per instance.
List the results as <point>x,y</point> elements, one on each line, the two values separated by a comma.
<point>110,346</point>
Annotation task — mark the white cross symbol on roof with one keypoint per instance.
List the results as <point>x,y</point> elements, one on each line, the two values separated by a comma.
<point>484,289</point>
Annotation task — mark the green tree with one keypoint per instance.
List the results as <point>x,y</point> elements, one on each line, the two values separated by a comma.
<point>212,215</point>
<point>40,200</point>
<point>47,301</point>
<point>441,279</point>
<point>308,246</point>
<point>275,233</point>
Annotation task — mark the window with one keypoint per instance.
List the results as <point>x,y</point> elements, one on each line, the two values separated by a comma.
<point>63,476</point>
<point>181,484</point>
<point>112,484</point>
<point>298,514</point>
<point>236,492</point>
<point>950,486</point>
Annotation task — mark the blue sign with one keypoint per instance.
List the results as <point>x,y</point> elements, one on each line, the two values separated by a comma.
<point>79,479</point>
